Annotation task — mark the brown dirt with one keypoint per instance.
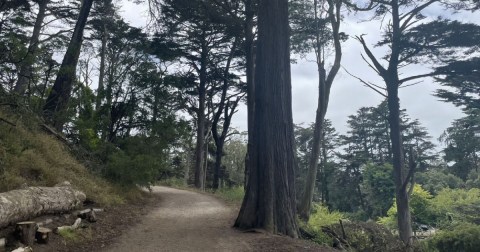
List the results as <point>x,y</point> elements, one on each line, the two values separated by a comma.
<point>169,220</point>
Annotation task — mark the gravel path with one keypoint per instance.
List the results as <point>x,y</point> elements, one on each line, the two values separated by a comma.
<point>184,221</point>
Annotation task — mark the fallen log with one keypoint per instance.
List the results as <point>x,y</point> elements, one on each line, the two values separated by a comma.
<point>25,232</point>
<point>18,205</point>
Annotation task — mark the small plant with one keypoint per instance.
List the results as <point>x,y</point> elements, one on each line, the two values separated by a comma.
<point>231,195</point>
<point>68,234</point>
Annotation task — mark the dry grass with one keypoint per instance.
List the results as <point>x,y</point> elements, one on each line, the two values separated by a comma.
<point>29,156</point>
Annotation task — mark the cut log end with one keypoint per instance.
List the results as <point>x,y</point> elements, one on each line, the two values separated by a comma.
<point>43,235</point>
<point>88,214</point>
<point>3,242</point>
<point>25,232</point>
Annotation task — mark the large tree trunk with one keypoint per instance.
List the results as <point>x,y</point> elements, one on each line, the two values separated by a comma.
<point>250,72</point>
<point>59,96</point>
<point>25,73</point>
<point>269,201</point>
<point>200,148</point>
<point>23,204</point>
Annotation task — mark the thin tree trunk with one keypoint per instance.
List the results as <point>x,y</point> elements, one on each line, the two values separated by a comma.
<point>324,86</point>
<point>269,201</point>
<point>306,201</point>
<point>218,165</point>
<point>200,147</point>
<point>401,194</point>
<point>392,81</point>
<point>57,101</point>
<point>101,75</point>
<point>25,73</point>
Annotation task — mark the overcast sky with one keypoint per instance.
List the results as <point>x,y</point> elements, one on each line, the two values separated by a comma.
<point>348,94</point>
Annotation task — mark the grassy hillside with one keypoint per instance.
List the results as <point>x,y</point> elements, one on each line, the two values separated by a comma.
<point>31,157</point>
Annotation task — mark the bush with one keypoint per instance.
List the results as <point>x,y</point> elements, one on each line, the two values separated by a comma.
<point>464,237</point>
<point>322,217</point>
<point>420,207</point>
<point>453,206</point>
<point>128,170</point>
<point>231,195</point>
<point>369,237</point>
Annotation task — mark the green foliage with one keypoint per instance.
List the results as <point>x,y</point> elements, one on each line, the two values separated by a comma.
<point>234,161</point>
<point>133,169</point>
<point>68,234</point>
<point>369,237</point>
<point>434,180</point>
<point>419,207</point>
<point>173,182</point>
<point>463,238</point>
<point>232,195</point>
<point>379,188</point>
<point>462,144</point>
<point>447,209</point>
<point>453,206</point>
<point>30,156</point>
<point>322,217</point>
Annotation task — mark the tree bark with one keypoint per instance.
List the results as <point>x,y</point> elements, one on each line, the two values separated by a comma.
<point>25,73</point>
<point>26,232</point>
<point>57,101</point>
<point>269,201</point>
<point>401,194</point>
<point>393,83</point>
<point>250,74</point>
<point>18,205</point>
<point>101,75</point>
<point>200,147</point>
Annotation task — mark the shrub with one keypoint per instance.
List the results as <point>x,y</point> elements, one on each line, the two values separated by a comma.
<point>322,217</point>
<point>420,208</point>
<point>232,195</point>
<point>464,237</point>
<point>369,237</point>
<point>453,206</point>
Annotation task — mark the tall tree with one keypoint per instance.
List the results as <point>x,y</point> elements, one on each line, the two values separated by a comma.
<point>410,39</point>
<point>57,100</point>
<point>462,145</point>
<point>269,201</point>
<point>201,31</point>
<point>24,75</point>
<point>311,32</point>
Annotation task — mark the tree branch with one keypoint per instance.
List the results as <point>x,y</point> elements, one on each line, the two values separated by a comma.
<point>382,71</point>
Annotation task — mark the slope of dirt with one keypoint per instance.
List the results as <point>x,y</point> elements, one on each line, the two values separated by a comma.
<point>190,221</point>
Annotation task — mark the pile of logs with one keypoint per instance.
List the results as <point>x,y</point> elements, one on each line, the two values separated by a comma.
<point>19,205</point>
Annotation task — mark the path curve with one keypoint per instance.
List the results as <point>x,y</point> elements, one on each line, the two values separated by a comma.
<point>184,221</point>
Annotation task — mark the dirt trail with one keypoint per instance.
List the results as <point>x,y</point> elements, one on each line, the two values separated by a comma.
<point>184,221</point>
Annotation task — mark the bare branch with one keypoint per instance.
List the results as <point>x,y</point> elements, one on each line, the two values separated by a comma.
<point>382,71</point>
<point>369,85</point>
<point>400,82</point>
